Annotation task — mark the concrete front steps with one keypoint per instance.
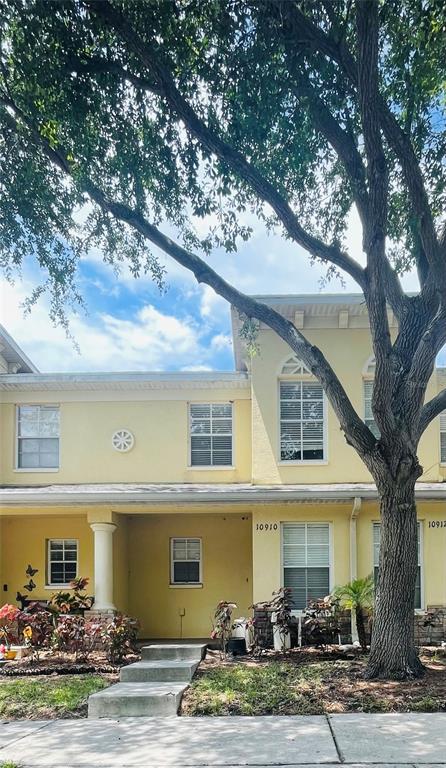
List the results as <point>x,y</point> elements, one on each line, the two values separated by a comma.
<point>151,687</point>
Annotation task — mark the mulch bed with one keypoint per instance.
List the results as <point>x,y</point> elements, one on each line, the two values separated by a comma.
<point>50,663</point>
<point>342,687</point>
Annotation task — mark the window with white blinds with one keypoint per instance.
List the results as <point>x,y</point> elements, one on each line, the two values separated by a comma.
<point>443,437</point>
<point>210,434</point>
<point>302,415</point>
<point>185,561</point>
<point>306,561</point>
<point>376,548</point>
<point>38,437</point>
<point>368,413</point>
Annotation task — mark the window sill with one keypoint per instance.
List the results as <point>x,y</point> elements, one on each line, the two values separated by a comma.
<point>36,469</point>
<point>57,586</point>
<point>186,586</point>
<point>315,463</point>
<point>208,469</point>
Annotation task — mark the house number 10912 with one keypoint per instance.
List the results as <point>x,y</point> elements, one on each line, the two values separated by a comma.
<point>267,527</point>
<point>437,523</point>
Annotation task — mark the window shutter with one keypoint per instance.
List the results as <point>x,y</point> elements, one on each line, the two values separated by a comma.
<point>443,437</point>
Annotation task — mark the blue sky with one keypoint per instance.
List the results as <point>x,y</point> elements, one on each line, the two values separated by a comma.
<point>130,326</point>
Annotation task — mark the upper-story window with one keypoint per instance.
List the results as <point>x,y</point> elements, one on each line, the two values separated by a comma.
<point>210,434</point>
<point>443,437</point>
<point>367,384</point>
<point>37,437</point>
<point>302,414</point>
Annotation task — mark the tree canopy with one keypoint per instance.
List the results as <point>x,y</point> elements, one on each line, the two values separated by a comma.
<point>123,120</point>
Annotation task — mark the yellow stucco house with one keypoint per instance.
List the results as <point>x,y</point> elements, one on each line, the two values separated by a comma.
<point>172,491</point>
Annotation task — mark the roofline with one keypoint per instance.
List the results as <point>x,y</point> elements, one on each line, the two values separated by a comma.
<point>18,351</point>
<point>37,497</point>
<point>134,379</point>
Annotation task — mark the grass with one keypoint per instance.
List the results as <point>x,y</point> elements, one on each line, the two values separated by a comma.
<point>269,689</point>
<point>63,696</point>
<point>301,685</point>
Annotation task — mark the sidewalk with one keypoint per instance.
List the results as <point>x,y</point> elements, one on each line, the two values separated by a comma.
<point>355,740</point>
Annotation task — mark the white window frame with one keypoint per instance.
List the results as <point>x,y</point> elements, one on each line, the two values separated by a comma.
<point>442,417</point>
<point>16,448</point>
<point>300,612</point>
<point>303,378</point>
<point>210,467</point>
<point>49,584</point>
<point>420,525</point>
<point>186,584</point>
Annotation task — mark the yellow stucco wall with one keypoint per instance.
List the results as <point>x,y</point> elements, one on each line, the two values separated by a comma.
<point>227,572</point>
<point>241,552</point>
<point>24,541</point>
<point>267,565</point>
<point>347,350</point>
<point>160,427</point>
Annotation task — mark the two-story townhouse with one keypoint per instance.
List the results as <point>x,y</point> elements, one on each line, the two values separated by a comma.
<point>172,491</point>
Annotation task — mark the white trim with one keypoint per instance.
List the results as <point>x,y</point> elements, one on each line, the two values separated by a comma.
<point>16,467</point>
<point>183,584</point>
<point>199,493</point>
<point>19,353</point>
<point>213,467</point>
<point>440,432</point>
<point>195,585</point>
<point>133,380</point>
<point>48,561</point>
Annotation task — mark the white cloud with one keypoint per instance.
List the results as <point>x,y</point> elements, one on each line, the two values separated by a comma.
<point>221,341</point>
<point>150,340</point>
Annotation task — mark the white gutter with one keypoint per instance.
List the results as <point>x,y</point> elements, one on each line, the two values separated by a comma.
<point>41,496</point>
<point>357,503</point>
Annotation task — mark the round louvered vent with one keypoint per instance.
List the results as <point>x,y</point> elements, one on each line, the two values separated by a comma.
<point>123,440</point>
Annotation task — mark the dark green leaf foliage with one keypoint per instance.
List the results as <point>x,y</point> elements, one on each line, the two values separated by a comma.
<point>249,73</point>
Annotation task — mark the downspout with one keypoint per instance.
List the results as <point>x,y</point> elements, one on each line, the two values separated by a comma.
<point>354,556</point>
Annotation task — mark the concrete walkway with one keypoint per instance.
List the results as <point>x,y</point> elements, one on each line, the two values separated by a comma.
<point>148,742</point>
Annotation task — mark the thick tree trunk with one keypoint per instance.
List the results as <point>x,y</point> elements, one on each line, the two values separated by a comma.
<point>393,654</point>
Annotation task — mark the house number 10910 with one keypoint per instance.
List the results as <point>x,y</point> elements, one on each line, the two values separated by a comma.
<point>267,527</point>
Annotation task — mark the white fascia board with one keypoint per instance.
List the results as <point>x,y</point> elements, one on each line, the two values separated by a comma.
<point>247,494</point>
<point>17,353</point>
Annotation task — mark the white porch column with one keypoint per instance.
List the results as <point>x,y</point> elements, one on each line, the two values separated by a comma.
<point>103,566</point>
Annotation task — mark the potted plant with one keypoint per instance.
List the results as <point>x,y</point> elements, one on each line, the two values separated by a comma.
<point>280,606</point>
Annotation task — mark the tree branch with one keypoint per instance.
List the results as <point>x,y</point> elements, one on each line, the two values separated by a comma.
<point>235,160</point>
<point>97,65</point>
<point>397,139</point>
<point>431,410</point>
<point>357,433</point>
<point>375,228</point>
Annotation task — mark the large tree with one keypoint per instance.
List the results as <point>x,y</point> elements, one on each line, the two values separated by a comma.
<point>119,118</point>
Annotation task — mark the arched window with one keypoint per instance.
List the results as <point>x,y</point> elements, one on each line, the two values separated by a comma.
<point>368,377</point>
<point>302,414</point>
<point>294,367</point>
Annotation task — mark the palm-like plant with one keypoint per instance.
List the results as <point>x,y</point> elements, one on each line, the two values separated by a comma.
<point>358,596</point>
